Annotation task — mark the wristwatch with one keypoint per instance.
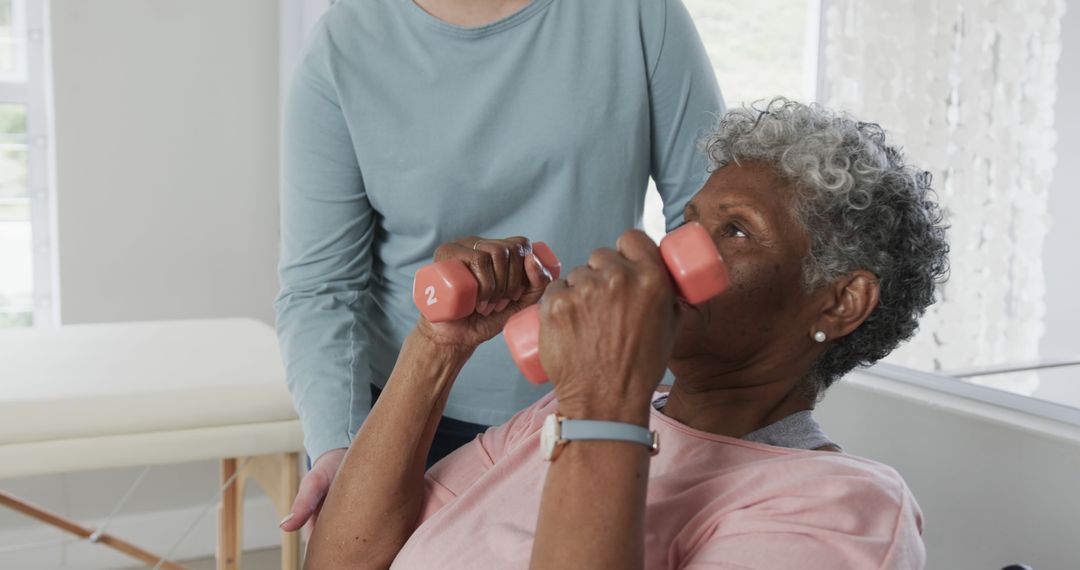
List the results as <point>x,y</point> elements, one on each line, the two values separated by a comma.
<point>557,431</point>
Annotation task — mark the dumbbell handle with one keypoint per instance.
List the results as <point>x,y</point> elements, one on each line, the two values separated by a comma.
<point>446,290</point>
<point>692,260</point>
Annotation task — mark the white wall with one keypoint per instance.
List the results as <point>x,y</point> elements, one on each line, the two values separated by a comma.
<point>996,487</point>
<point>166,115</point>
<point>166,158</point>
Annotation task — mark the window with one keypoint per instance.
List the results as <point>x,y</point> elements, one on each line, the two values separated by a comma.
<point>16,278</point>
<point>759,49</point>
<point>981,97</point>
<point>982,120</point>
<point>24,228</point>
<point>12,41</point>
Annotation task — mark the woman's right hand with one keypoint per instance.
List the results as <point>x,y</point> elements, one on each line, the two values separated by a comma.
<point>608,329</point>
<point>510,278</point>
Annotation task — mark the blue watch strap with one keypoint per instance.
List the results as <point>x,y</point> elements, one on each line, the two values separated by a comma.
<point>593,429</point>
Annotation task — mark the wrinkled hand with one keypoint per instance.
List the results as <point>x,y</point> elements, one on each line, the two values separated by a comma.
<point>313,489</point>
<point>510,278</point>
<point>607,330</point>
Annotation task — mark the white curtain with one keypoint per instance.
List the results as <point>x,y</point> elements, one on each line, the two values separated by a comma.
<point>967,87</point>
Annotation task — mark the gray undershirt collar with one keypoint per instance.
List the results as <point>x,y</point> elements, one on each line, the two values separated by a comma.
<point>797,431</point>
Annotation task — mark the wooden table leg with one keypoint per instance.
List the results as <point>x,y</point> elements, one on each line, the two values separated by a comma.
<point>230,513</point>
<point>290,541</point>
<point>279,477</point>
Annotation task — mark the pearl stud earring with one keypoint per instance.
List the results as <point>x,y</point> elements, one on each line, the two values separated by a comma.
<point>819,336</point>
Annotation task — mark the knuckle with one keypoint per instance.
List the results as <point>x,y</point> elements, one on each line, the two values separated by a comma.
<point>601,256</point>
<point>522,244</point>
<point>443,251</point>
<point>557,307</point>
<point>323,477</point>
<point>656,282</point>
<point>481,260</point>
<point>651,280</point>
<point>617,277</point>
<point>633,234</point>
<point>578,274</point>
<point>632,240</point>
<point>495,252</point>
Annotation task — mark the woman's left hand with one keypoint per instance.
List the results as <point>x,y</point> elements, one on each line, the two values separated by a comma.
<point>607,330</point>
<point>510,277</point>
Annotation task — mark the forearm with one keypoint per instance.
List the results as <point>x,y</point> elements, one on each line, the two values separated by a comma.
<point>592,513</point>
<point>374,503</point>
<point>327,238</point>
<point>316,348</point>
<point>605,338</point>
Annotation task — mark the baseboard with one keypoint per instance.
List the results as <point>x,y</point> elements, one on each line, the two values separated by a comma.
<point>155,531</point>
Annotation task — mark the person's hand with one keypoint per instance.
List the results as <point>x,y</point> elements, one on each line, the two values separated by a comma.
<point>313,488</point>
<point>607,330</point>
<point>510,278</point>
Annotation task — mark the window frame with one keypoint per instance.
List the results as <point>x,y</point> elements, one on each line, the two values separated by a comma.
<point>30,89</point>
<point>955,386</point>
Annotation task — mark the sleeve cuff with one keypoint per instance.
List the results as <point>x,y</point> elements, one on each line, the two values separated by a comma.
<point>317,445</point>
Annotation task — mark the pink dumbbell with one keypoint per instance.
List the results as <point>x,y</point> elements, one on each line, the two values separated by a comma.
<point>446,290</point>
<point>695,265</point>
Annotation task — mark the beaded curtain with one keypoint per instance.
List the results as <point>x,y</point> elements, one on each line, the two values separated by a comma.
<point>967,87</point>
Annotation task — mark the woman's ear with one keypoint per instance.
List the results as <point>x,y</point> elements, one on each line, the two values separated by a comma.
<point>848,302</point>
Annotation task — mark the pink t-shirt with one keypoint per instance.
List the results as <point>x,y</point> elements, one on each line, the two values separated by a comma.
<point>713,502</point>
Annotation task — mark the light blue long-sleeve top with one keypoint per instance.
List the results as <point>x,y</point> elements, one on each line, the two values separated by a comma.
<point>403,132</point>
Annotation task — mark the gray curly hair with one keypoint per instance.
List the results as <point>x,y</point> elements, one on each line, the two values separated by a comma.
<point>862,207</point>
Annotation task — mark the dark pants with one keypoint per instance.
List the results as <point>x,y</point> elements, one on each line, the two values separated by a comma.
<point>449,435</point>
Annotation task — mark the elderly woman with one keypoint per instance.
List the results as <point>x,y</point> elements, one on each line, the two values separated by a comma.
<point>833,245</point>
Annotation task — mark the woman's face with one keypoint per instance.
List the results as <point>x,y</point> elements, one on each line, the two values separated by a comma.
<point>765,312</point>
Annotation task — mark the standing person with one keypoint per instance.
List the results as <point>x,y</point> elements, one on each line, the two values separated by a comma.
<point>411,122</point>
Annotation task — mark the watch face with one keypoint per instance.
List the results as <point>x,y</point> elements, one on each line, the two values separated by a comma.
<point>549,436</point>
